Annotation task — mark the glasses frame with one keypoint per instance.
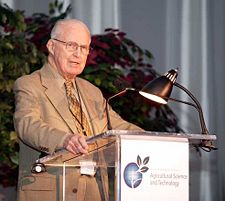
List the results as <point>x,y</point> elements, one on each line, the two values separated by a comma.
<point>83,49</point>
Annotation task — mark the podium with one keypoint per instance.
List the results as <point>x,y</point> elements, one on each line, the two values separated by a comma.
<point>141,165</point>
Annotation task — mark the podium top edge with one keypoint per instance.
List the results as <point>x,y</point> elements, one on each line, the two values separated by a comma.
<point>190,136</point>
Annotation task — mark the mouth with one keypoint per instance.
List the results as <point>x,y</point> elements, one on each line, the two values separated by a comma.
<point>74,62</point>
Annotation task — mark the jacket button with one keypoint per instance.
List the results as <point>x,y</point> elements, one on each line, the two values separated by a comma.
<point>74,190</point>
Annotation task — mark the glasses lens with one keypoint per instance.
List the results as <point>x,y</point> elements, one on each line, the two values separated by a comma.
<point>70,46</point>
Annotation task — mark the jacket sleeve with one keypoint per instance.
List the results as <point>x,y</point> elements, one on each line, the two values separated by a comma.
<point>28,122</point>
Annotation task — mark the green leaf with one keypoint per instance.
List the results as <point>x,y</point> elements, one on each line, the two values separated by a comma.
<point>13,135</point>
<point>3,18</point>
<point>97,81</point>
<point>149,54</point>
<point>9,45</point>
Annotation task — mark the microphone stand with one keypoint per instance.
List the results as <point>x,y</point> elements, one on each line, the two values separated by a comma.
<point>109,125</point>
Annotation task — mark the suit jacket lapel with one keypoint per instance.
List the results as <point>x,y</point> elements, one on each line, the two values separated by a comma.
<point>56,97</point>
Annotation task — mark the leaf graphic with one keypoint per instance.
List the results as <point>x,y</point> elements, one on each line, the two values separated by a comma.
<point>139,162</point>
<point>146,160</point>
<point>144,169</point>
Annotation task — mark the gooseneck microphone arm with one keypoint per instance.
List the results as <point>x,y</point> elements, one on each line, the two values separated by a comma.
<point>109,125</point>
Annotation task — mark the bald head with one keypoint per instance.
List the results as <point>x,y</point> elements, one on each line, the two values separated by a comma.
<point>62,26</point>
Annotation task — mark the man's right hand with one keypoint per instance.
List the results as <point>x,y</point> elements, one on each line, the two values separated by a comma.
<point>76,144</point>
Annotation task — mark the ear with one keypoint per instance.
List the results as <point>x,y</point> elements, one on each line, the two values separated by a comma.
<point>50,46</point>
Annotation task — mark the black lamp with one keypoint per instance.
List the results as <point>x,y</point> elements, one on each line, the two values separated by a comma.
<point>160,87</point>
<point>159,91</point>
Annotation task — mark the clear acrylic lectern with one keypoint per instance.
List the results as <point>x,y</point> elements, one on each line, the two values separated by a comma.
<point>130,165</point>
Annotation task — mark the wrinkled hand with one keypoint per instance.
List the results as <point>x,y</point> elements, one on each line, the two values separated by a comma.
<point>76,144</point>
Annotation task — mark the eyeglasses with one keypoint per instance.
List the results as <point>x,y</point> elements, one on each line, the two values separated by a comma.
<point>73,46</point>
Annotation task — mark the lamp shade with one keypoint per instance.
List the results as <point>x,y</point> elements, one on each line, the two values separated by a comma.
<point>160,88</point>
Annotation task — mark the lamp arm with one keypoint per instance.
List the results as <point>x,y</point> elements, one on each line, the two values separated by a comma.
<point>109,126</point>
<point>198,107</point>
<point>206,145</point>
<point>193,105</point>
<point>180,101</point>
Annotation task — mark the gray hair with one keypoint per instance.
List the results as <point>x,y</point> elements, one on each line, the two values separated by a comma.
<point>57,29</point>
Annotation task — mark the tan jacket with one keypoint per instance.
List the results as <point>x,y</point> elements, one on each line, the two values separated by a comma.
<point>42,121</point>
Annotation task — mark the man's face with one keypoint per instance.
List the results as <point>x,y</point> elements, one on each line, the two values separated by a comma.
<point>69,50</point>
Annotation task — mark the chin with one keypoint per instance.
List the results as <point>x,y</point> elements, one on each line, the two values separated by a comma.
<point>74,73</point>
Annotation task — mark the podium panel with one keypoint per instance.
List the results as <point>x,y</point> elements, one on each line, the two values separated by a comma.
<point>154,169</point>
<point>91,172</point>
<point>126,165</point>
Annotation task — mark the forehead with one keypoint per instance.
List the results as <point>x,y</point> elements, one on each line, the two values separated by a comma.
<point>75,32</point>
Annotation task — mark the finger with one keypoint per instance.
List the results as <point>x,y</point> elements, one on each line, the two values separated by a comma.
<point>82,148</point>
<point>83,143</point>
<point>72,148</point>
<point>71,144</point>
<point>76,144</point>
<point>79,145</point>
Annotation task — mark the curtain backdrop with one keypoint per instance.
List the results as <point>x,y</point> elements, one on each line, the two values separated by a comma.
<point>195,38</point>
<point>97,14</point>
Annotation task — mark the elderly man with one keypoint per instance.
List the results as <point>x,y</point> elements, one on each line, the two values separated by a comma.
<point>55,109</point>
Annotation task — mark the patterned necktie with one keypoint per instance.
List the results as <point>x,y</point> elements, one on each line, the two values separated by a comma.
<point>80,119</point>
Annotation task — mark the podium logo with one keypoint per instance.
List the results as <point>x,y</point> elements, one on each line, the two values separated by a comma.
<point>133,172</point>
